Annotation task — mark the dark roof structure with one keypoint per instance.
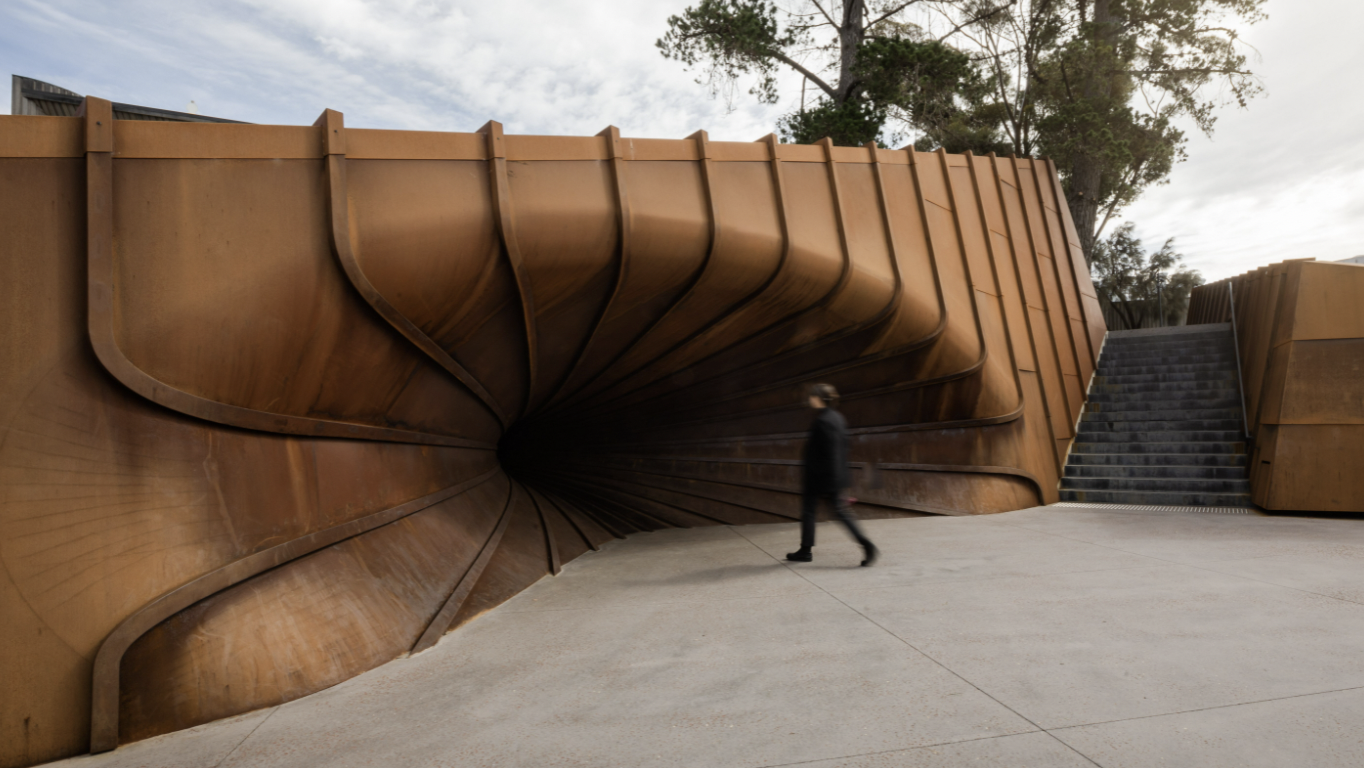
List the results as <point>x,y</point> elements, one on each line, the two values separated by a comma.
<point>34,97</point>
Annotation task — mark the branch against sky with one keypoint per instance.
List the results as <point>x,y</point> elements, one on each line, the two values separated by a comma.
<point>1130,279</point>
<point>1098,85</point>
<point>874,68</point>
<point>1101,86</point>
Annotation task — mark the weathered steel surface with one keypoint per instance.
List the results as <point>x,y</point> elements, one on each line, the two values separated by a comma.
<point>279,404</point>
<point>1300,332</point>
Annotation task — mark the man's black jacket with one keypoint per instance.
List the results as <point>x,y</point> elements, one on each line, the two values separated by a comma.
<point>826,454</point>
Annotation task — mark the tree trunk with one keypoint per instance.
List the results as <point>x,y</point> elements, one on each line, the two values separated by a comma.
<point>1085,177</point>
<point>849,40</point>
<point>1086,172</point>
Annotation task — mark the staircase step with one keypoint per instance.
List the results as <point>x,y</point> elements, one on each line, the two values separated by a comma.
<point>1129,370</point>
<point>1193,471</point>
<point>1158,499</point>
<point>1173,357</point>
<point>1217,343</point>
<point>1121,338</point>
<point>1166,448</point>
<point>1184,425</point>
<point>1171,436</point>
<point>1171,400</point>
<point>1162,423</point>
<point>1152,378</point>
<point>1126,387</point>
<point>1156,484</point>
<point>1119,412</point>
<point>1157,459</point>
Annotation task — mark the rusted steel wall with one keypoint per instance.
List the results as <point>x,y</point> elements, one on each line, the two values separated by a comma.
<point>279,404</point>
<point>1300,336</point>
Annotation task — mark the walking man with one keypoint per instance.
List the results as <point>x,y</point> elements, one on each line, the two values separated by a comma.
<point>826,475</point>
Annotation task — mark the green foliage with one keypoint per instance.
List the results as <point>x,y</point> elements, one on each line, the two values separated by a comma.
<point>729,39</point>
<point>930,87</point>
<point>850,124</point>
<point>1097,85</point>
<point>885,74</point>
<point>1131,280</point>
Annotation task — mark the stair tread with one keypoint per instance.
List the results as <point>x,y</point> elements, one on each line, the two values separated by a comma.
<point>1162,424</point>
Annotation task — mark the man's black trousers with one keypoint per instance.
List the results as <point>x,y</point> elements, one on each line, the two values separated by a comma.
<point>839,503</point>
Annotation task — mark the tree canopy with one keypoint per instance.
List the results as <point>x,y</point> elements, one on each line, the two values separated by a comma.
<point>1137,284</point>
<point>1097,85</point>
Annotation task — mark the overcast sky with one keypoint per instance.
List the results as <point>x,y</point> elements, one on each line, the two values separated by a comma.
<point>1284,179</point>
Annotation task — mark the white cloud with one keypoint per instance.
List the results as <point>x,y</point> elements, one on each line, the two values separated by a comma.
<point>1285,178</point>
<point>1277,181</point>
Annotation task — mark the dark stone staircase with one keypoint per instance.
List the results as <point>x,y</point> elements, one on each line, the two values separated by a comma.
<point>1163,423</point>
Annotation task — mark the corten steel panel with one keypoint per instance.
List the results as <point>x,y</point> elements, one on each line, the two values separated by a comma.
<point>279,404</point>
<point>1300,340</point>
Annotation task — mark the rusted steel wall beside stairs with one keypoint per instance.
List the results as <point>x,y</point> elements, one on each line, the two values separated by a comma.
<point>280,404</point>
<point>1300,333</point>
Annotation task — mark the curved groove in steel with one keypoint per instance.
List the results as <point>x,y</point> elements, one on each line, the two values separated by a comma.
<point>506,227</point>
<point>549,499</point>
<point>910,346</point>
<point>994,274</point>
<point>1046,302</point>
<point>345,253</point>
<point>970,277</point>
<point>551,547</point>
<point>1056,270</point>
<point>700,334</point>
<point>104,698</point>
<point>886,314</point>
<point>703,153</point>
<point>440,623</point>
<point>100,238</point>
<point>1003,418</point>
<point>612,136</point>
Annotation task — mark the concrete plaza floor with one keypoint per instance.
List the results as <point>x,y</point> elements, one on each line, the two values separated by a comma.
<point>1059,636</point>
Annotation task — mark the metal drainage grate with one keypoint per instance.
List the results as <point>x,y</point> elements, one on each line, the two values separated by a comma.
<point>1142,508</point>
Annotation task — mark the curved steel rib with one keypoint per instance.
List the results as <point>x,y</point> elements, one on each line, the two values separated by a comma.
<point>332,122</point>
<point>98,115</point>
<point>104,699</point>
<point>506,226</point>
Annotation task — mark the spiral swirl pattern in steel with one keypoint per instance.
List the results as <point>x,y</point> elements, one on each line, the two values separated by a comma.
<point>280,404</point>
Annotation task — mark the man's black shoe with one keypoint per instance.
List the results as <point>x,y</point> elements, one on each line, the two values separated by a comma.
<point>800,556</point>
<point>870,554</point>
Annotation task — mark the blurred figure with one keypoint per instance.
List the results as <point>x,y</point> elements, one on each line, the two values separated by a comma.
<point>826,474</point>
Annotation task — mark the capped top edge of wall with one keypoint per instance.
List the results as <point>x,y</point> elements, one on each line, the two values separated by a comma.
<point>51,135</point>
